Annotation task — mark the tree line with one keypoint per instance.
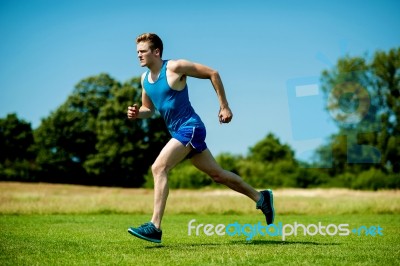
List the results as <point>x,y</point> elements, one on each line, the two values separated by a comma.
<point>88,139</point>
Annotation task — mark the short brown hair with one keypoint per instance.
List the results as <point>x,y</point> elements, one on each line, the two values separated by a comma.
<point>153,39</point>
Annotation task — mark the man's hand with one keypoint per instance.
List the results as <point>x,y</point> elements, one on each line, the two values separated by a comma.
<point>225,115</point>
<point>133,112</point>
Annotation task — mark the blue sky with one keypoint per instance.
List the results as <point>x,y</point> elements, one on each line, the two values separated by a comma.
<point>263,50</point>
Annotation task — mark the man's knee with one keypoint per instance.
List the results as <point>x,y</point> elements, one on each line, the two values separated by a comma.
<point>158,169</point>
<point>217,175</point>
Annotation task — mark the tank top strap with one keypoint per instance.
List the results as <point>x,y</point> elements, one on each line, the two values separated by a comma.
<point>163,71</point>
<point>146,76</point>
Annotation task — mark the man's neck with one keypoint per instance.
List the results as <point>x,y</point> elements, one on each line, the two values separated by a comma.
<point>156,67</point>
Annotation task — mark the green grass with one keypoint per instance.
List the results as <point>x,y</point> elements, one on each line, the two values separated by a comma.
<point>103,240</point>
<point>72,225</point>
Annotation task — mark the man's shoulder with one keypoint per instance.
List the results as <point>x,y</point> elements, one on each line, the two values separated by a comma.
<point>143,75</point>
<point>170,62</point>
<point>174,64</point>
<point>175,61</point>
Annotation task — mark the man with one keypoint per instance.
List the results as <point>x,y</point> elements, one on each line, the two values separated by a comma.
<point>165,89</point>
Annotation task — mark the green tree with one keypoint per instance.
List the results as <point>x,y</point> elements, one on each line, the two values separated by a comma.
<point>363,97</point>
<point>270,149</point>
<point>124,149</point>
<point>269,163</point>
<point>229,162</point>
<point>17,156</point>
<point>386,68</point>
<point>89,140</point>
<point>67,137</point>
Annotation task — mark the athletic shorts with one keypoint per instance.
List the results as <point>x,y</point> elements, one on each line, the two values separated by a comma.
<point>193,136</point>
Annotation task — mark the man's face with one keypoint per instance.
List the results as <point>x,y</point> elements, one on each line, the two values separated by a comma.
<point>145,55</point>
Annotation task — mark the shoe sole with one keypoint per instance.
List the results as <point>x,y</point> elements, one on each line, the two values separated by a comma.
<point>130,231</point>
<point>271,200</point>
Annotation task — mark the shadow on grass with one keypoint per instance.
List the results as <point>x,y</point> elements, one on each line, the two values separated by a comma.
<point>238,242</point>
<point>280,242</point>
<point>185,245</point>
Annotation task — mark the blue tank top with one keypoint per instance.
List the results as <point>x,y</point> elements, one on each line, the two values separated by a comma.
<point>173,105</point>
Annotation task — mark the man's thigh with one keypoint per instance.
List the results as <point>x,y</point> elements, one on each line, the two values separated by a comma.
<point>205,162</point>
<point>172,153</point>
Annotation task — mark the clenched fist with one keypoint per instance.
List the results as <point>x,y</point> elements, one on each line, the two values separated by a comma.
<point>133,112</point>
<point>225,115</point>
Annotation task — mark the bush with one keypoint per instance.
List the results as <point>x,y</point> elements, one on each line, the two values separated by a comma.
<point>375,179</point>
<point>19,170</point>
<point>344,180</point>
<point>260,174</point>
<point>188,176</point>
<point>310,177</point>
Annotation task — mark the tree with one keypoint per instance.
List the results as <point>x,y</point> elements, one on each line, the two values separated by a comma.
<point>89,140</point>
<point>271,150</point>
<point>269,163</point>
<point>386,68</point>
<point>67,137</point>
<point>363,97</point>
<point>124,148</point>
<point>17,155</point>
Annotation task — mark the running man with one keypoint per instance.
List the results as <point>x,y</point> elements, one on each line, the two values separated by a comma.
<point>165,89</point>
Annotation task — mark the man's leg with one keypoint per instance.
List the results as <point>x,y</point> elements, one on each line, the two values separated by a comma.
<point>170,155</point>
<point>264,200</point>
<point>173,153</point>
<point>205,162</point>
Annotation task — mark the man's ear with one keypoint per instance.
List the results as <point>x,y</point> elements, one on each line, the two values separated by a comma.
<point>157,51</point>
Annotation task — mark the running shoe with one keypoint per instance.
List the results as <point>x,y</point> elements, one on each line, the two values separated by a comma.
<point>266,204</point>
<point>147,232</point>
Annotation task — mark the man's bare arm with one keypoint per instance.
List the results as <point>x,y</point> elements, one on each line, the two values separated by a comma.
<point>145,111</point>
<point>196,70</point>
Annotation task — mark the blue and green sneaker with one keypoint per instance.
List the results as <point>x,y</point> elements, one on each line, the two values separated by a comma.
<point>147,232</point>
<point>266,204</point>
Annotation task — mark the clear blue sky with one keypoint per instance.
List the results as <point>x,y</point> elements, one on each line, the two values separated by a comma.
<point>262,49</point>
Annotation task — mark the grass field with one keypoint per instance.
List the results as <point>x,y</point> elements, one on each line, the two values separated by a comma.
<point>45,224</point>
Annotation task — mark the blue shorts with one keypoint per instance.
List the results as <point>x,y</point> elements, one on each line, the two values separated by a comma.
<point>193,136</point>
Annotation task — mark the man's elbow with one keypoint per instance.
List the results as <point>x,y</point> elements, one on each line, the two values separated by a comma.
<point>151,111</point>
<point>214,75</point>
